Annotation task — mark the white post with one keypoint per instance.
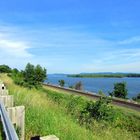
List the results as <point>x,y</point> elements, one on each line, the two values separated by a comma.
<point>17,116</point>
<point>7,100</point>
<point>3,90</point>
<point>50,137</point>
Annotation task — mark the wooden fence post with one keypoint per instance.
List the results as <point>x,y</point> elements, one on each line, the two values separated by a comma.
<point>17,116</point>
<point>3,90</point>
<point>7,100</point>
<point>50,137</point>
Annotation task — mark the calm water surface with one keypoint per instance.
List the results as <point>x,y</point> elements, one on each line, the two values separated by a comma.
<point>96,84</point>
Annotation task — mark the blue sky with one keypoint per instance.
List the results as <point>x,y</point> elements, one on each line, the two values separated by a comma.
<point>71,36</point>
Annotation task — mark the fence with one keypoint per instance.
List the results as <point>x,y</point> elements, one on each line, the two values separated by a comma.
<point>11,116</point>
<point>9,130</point>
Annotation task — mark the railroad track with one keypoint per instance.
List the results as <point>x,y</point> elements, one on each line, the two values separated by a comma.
<point>116,101</point>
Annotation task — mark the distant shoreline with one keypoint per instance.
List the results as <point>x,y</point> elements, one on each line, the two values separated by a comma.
<point>114,75</point>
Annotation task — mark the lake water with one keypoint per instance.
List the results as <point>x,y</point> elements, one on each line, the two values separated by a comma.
<point>96,84</point>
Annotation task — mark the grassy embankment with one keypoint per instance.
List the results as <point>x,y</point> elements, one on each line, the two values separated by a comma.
<point>51,112</point>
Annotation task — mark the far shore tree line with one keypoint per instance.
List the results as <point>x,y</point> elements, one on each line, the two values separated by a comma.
<point>33,77</point>
<point>105,75</point>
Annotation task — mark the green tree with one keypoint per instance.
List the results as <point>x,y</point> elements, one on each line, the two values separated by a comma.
<point>40,74</point>
<point>61,83</point>
<point>120,90</point>
<point>29,74</point>
<point>78,86</point>
<point>32,76</point>
<point>5,69</point>
<point>17,77</point>
<point>15,70</point>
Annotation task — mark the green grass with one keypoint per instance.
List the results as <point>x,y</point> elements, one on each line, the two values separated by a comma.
<point>125,118</point>
<point>1,131</point>
<point>47,113</point>
<point>44,117</point>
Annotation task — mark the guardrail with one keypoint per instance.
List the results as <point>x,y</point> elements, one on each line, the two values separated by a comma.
<point>9,130</point>
<point>6,101</point>
<point>10,115</point>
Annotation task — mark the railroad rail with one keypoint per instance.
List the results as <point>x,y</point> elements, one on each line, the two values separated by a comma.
<point>116,101</point>
<point>8,127</point>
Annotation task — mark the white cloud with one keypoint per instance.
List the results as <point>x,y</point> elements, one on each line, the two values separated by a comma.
<point>18,49</point>
<point>131,40</point>
<point>131,53</point>
<point>118,60</point>
<point>62,50</point>
<point>14,50</point>
<point>123,55</point>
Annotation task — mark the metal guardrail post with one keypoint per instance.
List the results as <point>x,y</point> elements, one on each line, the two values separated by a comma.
<point>9,130</point>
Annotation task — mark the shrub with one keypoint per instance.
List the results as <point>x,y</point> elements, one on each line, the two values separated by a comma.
<point>75,104</point>
<point>99,110</point>
<point>78,86</point>
<point>61,83</point>
<point>100,92</point>
<point>5,69</point>
<point>18,78</point>
<point>120,90</point>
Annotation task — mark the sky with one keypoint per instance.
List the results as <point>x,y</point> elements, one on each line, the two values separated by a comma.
<point>71,36</point>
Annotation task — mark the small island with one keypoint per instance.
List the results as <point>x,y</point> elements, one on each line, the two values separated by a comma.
<point>104,75</point>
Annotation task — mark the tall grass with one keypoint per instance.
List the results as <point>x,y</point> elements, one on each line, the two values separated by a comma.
<point>115,117</point>
<point>46,114</point>
<point>43,116</point>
